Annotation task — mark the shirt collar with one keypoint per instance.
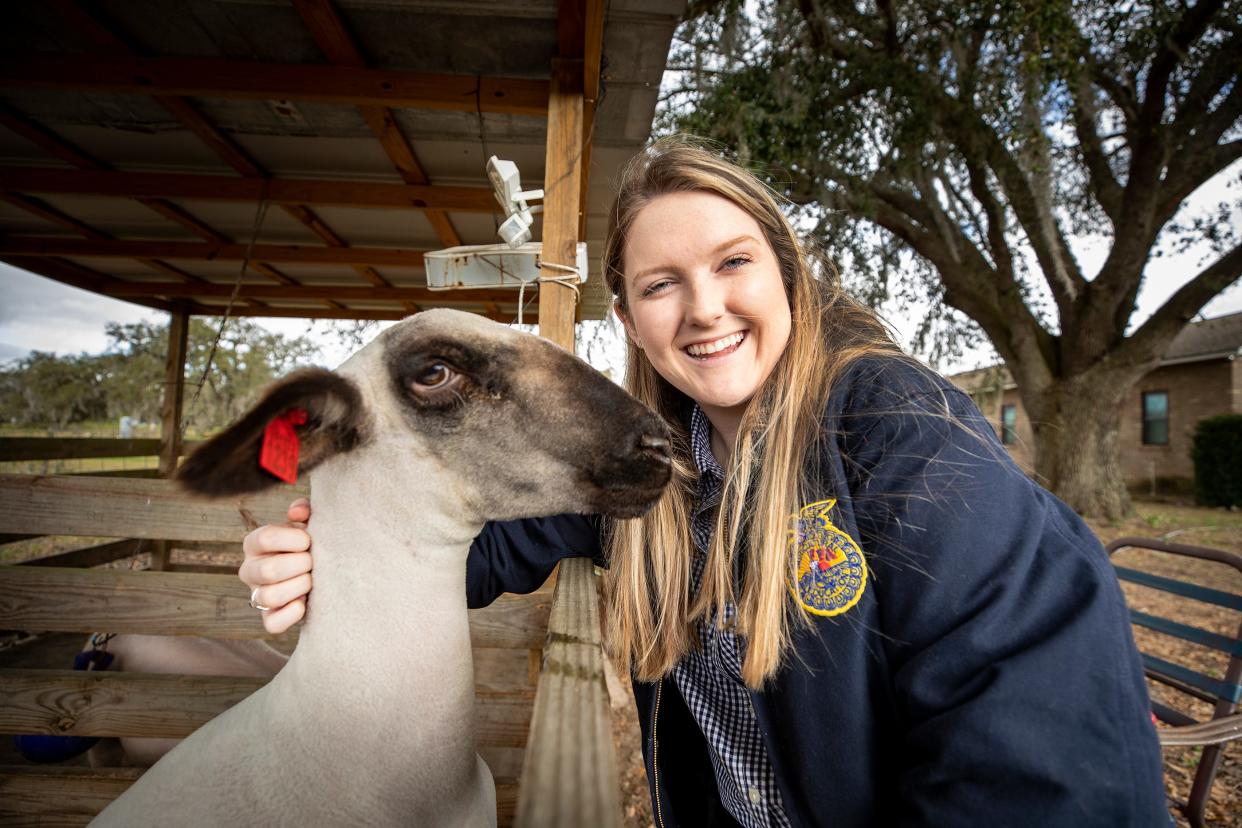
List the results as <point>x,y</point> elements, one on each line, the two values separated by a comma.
<point>701,447</point>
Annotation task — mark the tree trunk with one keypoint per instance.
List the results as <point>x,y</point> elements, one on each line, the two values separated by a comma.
<point>1077,453</point>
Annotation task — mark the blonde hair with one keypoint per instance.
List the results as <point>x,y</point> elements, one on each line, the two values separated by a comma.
<point>649,616</point>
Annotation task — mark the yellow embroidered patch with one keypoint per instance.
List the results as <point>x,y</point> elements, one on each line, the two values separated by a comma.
<point>832,573</point>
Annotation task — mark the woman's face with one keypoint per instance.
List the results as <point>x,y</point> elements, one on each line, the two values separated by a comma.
<point>705,299</point>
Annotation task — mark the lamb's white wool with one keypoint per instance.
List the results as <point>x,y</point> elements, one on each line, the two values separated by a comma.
<point>442,423</point>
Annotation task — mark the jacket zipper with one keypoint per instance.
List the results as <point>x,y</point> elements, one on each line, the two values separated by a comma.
<point>655,758</point>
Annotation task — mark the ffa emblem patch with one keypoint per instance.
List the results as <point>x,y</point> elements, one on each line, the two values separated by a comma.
<point>832,573</point>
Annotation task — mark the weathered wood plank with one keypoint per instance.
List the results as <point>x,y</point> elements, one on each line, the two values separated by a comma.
<point>502,670</point>
<point>15,449</point>
<point>111,507</point>
<point>59,797</point>
<point>81,703</point>
<point>89,556</point>
<point>51,599</point>
<point>570,777</point>
<point>562,180</point>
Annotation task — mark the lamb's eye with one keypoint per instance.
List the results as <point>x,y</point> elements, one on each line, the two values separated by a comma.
<point>437,375</point>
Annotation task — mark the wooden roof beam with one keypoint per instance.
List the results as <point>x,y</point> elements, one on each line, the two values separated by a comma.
<point>198,251</point>
<point>223,188</point>
<point>120,289</point>
<point>328,313</point>
<point>222,78</point>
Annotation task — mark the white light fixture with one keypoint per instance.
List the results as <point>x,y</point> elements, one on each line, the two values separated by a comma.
<point>489,265</point>
<point>516,262</point>
<point>519,215</point>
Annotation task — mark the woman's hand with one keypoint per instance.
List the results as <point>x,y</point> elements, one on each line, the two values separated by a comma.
<point>278,568</point>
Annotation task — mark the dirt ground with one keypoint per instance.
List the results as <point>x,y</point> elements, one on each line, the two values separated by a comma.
<point>1178,523</point>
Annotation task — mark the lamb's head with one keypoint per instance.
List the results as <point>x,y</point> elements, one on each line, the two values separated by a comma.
<point>513,425</point>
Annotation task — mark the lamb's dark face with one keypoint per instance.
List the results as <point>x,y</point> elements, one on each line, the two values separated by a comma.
<point>532,429</point>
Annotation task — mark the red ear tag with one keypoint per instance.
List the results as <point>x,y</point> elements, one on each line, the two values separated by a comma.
<point>279,452</point>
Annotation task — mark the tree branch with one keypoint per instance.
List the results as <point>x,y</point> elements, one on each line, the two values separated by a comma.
<point>995,213</point>
<point>1173,48</point>
<point>1103,183</point>
<point>1193,173</point>
<point>1150,340</point>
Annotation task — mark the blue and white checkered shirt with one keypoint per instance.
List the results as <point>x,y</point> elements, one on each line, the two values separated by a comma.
<point>710,678</point>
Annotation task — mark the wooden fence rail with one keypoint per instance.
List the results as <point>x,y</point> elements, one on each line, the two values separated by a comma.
<point>147,705</point>
<point>557,739</point>
<point>52,599</point>
<point>17,449</point>
<point>123,508</point>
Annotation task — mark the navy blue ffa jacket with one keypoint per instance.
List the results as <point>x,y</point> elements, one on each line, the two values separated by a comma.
<point>978,670</point>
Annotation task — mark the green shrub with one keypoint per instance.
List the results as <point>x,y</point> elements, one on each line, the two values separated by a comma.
<point>1217,454</point>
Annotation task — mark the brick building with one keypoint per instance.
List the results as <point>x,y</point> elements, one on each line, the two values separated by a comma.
<point>1199,376</point>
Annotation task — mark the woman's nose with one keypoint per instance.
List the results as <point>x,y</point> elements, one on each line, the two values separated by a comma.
<point>705,303</point>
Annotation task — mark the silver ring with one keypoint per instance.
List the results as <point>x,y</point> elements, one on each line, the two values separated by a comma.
<point>254,601</point>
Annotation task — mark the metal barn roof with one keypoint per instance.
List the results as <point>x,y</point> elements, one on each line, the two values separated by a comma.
<point>142,143</point>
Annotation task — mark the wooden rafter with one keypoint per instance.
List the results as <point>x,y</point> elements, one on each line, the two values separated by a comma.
<point>254,80</point>
<point>342,293</point>
<point>185,111</point>
<point>334,313</point>
<point>66,151</point>
<point>198,251</point>
<point>324,23</point>
<point>223,188</point>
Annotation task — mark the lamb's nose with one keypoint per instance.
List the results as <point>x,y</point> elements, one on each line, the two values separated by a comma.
<point>656,445</point>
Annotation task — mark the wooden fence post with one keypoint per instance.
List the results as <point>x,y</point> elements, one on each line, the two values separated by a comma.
<point>170,412</point>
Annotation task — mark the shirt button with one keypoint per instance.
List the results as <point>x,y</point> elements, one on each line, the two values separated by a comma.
<point>754,796</point>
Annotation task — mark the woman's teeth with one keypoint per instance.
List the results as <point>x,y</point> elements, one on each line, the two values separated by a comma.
<point>709,348</point>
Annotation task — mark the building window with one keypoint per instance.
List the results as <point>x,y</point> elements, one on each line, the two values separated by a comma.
<point>1009,424</point>
<point>1155,418</point>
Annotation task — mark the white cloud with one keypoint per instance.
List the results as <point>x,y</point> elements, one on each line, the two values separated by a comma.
<point>38,314</point>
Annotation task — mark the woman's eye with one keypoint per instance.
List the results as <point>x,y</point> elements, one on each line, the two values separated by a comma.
<point>434,376</point>
<point>734,262</point>
<point>656,287</point>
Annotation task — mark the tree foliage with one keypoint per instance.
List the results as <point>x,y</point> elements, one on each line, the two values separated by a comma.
<point>951,151</point>
<point>128,377</point>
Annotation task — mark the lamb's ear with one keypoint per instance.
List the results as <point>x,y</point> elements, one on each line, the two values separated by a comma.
<point>228,464</point>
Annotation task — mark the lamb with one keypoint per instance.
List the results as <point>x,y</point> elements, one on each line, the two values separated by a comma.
<point>445,421</point>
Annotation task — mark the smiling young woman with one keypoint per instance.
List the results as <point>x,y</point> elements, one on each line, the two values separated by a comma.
<point>699,254</point>
<point>849,607</point>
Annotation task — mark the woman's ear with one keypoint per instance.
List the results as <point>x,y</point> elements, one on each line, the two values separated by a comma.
<point>323,415</point>
<point>625,320</point>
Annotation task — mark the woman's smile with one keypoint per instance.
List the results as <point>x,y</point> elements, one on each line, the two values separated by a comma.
<point>705,300</point>
<point>716,348</point>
